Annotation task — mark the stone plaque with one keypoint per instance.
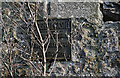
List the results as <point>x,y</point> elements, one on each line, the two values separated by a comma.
<point>60,32</point>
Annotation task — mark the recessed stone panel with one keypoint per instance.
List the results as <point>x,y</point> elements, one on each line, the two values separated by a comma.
<point>60,29</point>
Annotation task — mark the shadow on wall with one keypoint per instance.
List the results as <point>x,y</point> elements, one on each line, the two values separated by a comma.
<point>111,11</point>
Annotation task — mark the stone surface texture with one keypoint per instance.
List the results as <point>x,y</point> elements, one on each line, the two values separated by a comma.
<point>88,10</point>
<point>95,44</point>
<point>95,55</point>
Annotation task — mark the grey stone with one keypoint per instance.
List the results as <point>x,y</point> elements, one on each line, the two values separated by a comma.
<point>88,10</point>
<point>95,46</point>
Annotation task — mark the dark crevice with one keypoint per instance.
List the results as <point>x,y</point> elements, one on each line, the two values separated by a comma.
<point>111,11</point>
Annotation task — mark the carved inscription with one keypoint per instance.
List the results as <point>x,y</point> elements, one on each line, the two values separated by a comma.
<point>60,30</point>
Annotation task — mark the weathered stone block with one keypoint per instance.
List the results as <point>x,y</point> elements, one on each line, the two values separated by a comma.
<point>88,10</point>
<point>112,38</point>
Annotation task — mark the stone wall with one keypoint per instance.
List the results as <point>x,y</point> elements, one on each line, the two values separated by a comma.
<point>0,39</point>
<point>95,44</point>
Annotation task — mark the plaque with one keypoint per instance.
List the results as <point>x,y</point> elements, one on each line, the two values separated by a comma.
<point>60,31</point>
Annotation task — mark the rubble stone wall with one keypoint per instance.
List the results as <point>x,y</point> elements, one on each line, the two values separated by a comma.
<point>95,44</point>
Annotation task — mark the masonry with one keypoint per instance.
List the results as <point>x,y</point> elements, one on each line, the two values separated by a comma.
<point>95,44</point>
<point>0,38</point>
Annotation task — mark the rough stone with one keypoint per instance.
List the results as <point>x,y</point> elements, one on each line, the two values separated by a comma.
<point>0,40</point>
<point>89,10</point>
<point>95,46</point>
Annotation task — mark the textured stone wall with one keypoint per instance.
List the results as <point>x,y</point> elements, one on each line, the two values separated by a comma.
<point>0,38</point>
<point>96,51</point>
<point>95,44</point>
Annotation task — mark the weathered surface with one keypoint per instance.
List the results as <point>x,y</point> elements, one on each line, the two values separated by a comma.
<point>88,10</point>
<point>110,36</point>
<point>111,47</point>
<point>95,46</point>
<point>0,39</point>
<point>85,49</point>
<point>96,51</point>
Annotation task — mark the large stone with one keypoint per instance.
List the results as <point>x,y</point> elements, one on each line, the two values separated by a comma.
<point>88,10</point>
